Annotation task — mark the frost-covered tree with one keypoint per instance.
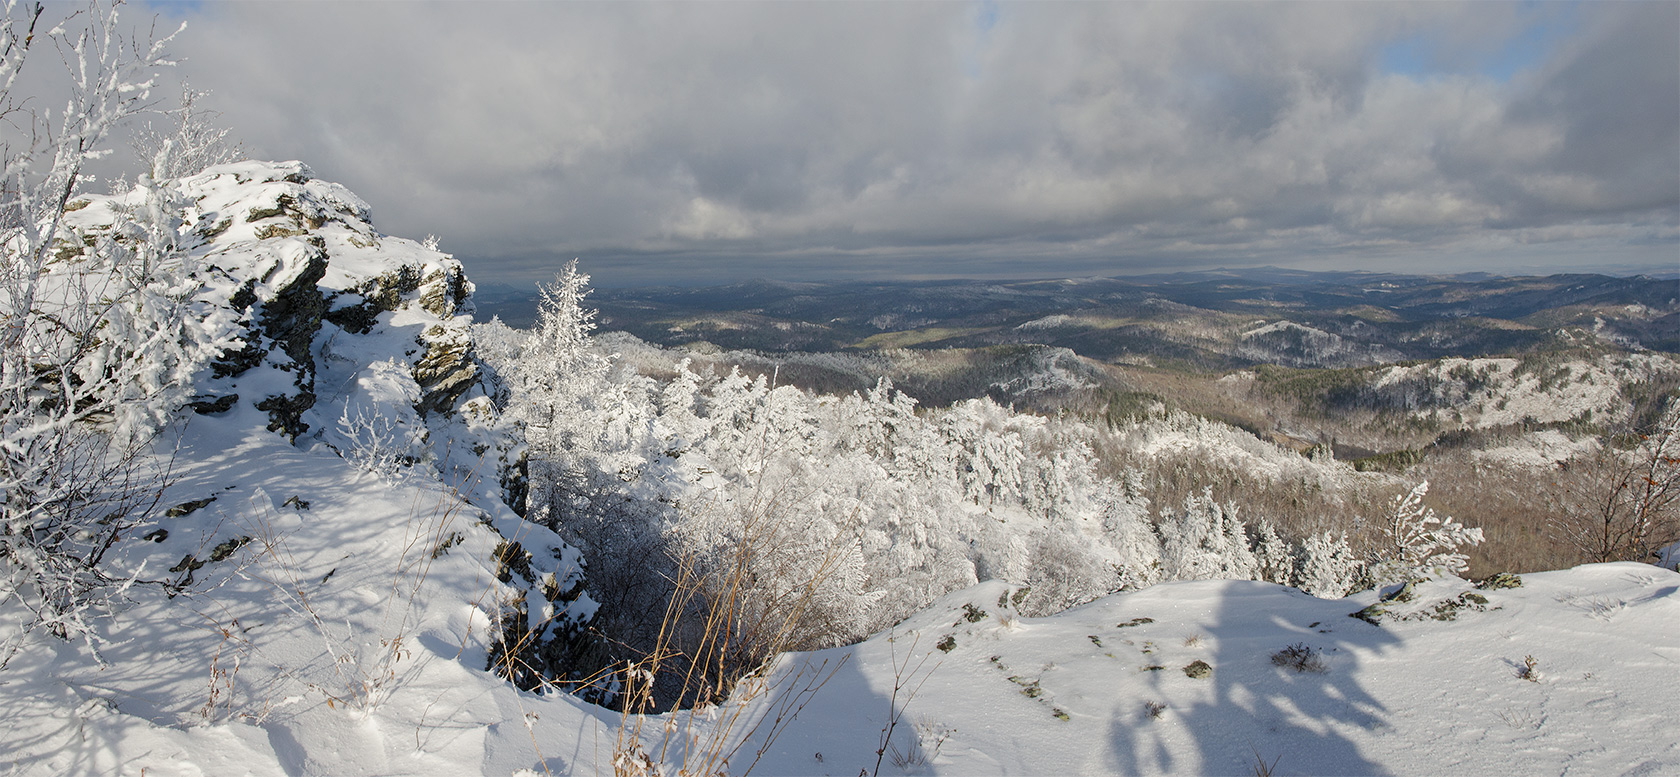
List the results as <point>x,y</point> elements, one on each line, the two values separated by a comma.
<point>991,449</point>
<point>1328,567</point>
<point>1417,543</point>
<point>95,341</point>
<point>1205,542</point>
<point>835,516</point>
<point>1273,557</point>
<point>188,143</point>
<point>559,380</point>
<point>1065,571</point>
<point>1126,528</point>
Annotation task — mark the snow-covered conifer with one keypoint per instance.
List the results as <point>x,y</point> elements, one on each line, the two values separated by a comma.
<point>1239,560</point>
<point>559,378</point>
<point>1328,567</point>
<point>1274,559</point>
<point>1126,528</point>
<point>1202,542</point>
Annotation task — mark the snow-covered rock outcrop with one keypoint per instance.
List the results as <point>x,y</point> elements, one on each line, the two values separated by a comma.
<point>354,347</point>
<point>289,268</point>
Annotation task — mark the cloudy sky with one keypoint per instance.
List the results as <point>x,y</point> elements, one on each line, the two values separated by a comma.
<point>710,142</point>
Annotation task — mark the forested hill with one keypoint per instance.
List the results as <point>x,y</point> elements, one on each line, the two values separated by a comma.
<point>1205,320</point>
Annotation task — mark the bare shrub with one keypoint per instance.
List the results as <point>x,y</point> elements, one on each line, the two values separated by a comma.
<point>1521,720</point>
<point>191,145</point>
<point>1622,503</point>
<point>1301,658</point>
<point>1261,768</point>
<point>1512,505</point>
<point>905,685</point>
<point>719,698</point>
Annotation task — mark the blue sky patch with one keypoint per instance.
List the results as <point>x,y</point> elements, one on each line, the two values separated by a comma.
<point>1426,55</point>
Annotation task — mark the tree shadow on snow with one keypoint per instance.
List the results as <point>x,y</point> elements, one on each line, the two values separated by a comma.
<point>837,733</point>
<point>1255,716</point>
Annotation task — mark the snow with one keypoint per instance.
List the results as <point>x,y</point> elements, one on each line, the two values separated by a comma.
<point>1286,342</point>
<point>1189,437</point>
<point>1054,321</point>
<point>1539,450</point>
<point>234,676</point>
<point>1284,326</point>
<point>1406,697</point>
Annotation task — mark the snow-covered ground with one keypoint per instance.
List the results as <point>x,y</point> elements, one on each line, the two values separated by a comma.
<point>1076,693</point>
<point>237,678</point>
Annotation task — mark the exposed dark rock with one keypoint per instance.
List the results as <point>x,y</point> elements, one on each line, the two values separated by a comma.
<point>566,653</point>
<point>387,291</point>
<point>188,508</point>
<point>378,295</point>
<point>441,549</point>
<point>516,486</point>
<point>211,405</point>
<point>1501,580</point>
<point>357,318</point>
<point>250,353</point>
<point>210,231</point>
<point>236,362</point>
<point>188,564</point>
<point>1404,593</point>
<point>1444,610</point>
<point>445,291</point>
<point>281,204</point>
<point>446,372</point>
<point>228,548</point>
<point>293,316</point>
<point>285,413</point>
<point>511,557</point>
<point>245,296</point>
<point>291,320</point>
<point>268,231</point>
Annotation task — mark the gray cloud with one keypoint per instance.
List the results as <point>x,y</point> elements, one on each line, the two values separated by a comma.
<point>695,141</point>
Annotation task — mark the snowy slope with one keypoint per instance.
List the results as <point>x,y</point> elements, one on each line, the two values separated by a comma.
<point>1069,694</point>
<point>1419,696</point>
